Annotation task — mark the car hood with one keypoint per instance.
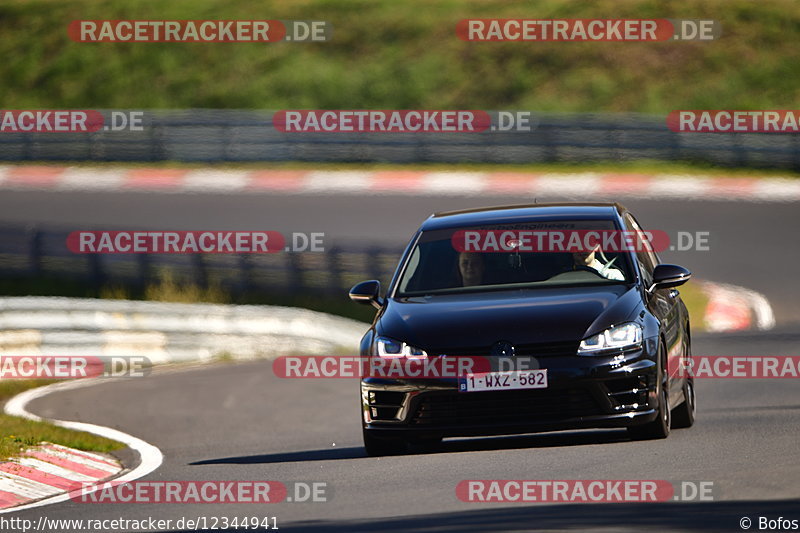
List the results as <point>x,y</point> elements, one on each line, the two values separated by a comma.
<point>448,323</point>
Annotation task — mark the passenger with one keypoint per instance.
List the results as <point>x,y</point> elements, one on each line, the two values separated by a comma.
<point>587,260</point>
<point>471,268</point>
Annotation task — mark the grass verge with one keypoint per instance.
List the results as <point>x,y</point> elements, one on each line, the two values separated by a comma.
<point>696,302</point>
<point>402,55</point>
<point>18,433</point>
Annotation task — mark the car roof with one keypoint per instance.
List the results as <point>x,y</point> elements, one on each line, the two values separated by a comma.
<point>508,214</point>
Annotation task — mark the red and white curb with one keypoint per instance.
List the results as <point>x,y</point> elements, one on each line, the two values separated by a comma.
<point>734,308</point>
<point>45,474</point>
<point>410,182</point>
<point>48,470</point>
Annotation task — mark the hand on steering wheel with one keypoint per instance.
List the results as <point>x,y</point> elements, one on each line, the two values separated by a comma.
<point>585,268</point>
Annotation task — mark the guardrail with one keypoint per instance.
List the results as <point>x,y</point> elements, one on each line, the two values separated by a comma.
<point>169,332</point>
<point>37,253</point>
<point>202,135</point>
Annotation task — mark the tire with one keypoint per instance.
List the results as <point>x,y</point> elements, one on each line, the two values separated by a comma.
<point>683,415</point>
<point>658,428</point>
<point>379,447</point>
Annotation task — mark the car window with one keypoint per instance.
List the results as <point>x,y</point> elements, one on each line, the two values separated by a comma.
<point>438,264</point>
<point>646,258</point>
<point>413,264</point>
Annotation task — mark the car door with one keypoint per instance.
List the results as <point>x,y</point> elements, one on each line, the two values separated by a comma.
<point>665,305</point>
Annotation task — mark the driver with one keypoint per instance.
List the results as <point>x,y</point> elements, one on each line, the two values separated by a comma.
<point>587,260</point>
<point>470,266</point>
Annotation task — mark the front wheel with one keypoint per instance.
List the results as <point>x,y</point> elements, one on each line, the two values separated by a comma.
<point>683,415</point>
<point>658,428</point>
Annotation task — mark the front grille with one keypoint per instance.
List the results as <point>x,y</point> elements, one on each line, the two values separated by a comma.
<point>528,350</point>
<point>502,407</point>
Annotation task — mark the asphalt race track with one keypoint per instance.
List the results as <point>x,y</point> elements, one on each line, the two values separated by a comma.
<point>751,244</point>
<point>239,422</point>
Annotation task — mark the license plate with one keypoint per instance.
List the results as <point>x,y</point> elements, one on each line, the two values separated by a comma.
<point>514,379</point>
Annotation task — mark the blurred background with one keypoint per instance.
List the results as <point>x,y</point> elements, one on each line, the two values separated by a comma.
<point>597,107</point>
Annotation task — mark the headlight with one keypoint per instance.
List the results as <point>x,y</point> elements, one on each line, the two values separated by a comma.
<point>391,348</point>
<point>616,338</point>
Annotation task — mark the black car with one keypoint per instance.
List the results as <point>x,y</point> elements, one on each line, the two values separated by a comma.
<point>604,331</point>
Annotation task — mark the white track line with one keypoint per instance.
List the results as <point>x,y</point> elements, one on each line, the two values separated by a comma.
<point>150,456</point>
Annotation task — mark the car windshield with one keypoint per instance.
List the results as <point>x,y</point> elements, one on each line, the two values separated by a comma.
<point>527,255</point>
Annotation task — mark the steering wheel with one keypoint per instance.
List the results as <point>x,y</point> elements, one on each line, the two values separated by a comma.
<point>586,269</point>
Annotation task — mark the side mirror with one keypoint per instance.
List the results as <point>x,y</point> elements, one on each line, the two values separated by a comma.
<point>367,292</point>
<point>666,276</point>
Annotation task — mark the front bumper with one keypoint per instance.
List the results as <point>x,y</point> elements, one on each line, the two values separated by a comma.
<point>583,392</point>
